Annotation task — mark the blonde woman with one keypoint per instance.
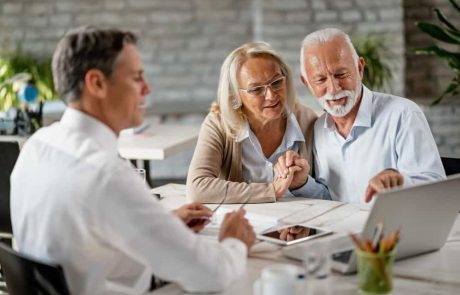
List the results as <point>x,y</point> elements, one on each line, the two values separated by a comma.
<point>255,123</point>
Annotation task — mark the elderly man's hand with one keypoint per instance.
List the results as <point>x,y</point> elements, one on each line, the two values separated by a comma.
<point>194,215</point>
<point>382,181</point>
<point>289,160</point>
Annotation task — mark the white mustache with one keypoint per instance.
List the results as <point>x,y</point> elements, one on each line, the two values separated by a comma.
<point>338,95</point>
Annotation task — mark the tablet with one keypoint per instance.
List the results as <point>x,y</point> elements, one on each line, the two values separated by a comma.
<point>293,234</point>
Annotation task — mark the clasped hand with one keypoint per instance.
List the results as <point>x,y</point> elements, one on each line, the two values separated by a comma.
<point>291,172</point>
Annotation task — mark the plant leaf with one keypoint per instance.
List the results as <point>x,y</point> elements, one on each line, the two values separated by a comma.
<point>452,58</point>
<point>442,18</point>
<point>437,33</point>
<point>455,5</point>
<point>450,89</point>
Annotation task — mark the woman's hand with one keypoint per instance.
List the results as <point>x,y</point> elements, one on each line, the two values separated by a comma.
<point>299,166</point>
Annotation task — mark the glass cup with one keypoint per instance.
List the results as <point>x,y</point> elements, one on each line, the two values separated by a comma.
<point>277,279</point>
<point>317,260</point>
<point>375,272</point>
<point>141,173</point>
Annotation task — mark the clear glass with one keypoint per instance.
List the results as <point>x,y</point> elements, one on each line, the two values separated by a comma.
<point>375,272</point>
<point>142,174</point>
<point>277,279</point>
<point>317,260</point>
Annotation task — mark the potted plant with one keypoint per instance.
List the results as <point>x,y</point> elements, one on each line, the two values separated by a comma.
<point>378,74</point>
<point>28,116</point>
<point>447,33</point>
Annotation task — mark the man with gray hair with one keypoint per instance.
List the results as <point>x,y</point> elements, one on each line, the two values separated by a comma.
<point>74,202</point>
<point>366,141</point>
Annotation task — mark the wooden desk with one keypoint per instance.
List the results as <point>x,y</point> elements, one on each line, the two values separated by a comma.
<point>157,142</point>
<point>434,273</point>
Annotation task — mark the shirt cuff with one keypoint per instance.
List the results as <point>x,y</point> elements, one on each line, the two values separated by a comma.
<point>407,179</point>
<point>303,190</point>
<point>236,244</point>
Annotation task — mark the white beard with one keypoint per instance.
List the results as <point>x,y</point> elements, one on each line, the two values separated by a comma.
<point>340,110</point>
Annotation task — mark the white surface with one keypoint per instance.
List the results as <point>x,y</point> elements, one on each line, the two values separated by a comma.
<point>434,273</point>
<point>158,141</point>
<point>20,139</point>
<point>259,222</point>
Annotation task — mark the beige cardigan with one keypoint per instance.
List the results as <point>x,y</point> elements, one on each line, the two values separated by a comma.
<point>217,161</point>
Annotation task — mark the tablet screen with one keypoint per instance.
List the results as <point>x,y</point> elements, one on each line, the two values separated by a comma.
<point>291,234</point>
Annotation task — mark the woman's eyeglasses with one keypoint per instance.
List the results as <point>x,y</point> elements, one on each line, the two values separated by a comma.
<point>261,90</point>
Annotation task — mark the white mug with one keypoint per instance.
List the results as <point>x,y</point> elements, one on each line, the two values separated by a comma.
<point>279,279</point>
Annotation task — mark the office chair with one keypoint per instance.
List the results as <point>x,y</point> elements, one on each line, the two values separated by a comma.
<point>27,276</point>
<point>9,152</point>
<point>451,165</point>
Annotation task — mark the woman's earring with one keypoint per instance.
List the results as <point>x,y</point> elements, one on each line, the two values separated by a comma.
<point>236,103</point>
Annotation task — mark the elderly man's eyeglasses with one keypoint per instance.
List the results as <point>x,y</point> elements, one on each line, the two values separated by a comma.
<point>261,90</point>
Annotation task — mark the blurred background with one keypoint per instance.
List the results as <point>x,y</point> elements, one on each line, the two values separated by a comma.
<point>184,42</point>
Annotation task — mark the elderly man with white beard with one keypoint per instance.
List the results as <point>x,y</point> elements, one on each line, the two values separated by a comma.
<point>366,141</point>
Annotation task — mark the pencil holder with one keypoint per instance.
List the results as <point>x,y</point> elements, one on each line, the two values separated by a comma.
<point>375,272</point>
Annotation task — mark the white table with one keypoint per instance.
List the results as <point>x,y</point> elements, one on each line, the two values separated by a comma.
<point>157,142</point>
<point>434,273</point>
<point>20,139</point>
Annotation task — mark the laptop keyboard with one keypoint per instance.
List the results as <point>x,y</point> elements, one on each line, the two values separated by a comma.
<point>343,256</point>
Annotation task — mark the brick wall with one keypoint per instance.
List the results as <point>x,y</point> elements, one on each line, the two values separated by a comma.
<point>287,22</point>
<point>185,41</point>
<point>427,76</point>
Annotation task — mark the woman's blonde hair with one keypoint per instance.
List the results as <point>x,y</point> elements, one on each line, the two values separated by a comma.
<point>228,98</point>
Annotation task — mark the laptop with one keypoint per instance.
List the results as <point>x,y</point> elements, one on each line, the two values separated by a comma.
<point>425,214</point>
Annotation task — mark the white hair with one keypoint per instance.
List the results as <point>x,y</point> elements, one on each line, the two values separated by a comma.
<point>325,36</point>
<point>228,102</point>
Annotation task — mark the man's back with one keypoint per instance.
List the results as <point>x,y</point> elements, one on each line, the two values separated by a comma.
<point>57,189</point>
<point>75,203</point>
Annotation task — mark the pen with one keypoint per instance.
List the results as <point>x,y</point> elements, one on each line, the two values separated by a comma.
<point>158,196</point>
<point>245,202</point>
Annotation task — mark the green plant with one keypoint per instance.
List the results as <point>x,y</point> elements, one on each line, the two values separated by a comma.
<point>377,71</point>
<point>447,33</point>
<point>39,69</point>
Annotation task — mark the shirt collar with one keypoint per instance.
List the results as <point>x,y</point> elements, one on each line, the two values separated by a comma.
<point>95,129</point>
<point>244,132</point>
<point>292,134</point>
<point>364,116</point>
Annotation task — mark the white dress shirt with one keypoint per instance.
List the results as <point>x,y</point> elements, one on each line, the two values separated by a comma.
<point>388,132</point>
<point>258,169</point>
<point>76,203</point>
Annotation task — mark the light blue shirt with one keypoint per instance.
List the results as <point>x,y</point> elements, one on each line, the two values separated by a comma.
<point>258,169</point>
<point>388,132</point>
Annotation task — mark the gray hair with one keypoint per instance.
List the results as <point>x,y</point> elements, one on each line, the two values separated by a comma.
<point>324,36</point>
<point>81,50</point>
<point>228,97</point>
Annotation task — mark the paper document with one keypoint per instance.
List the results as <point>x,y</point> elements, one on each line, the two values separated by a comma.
<point>170,189</point>
<point>259,222</point>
